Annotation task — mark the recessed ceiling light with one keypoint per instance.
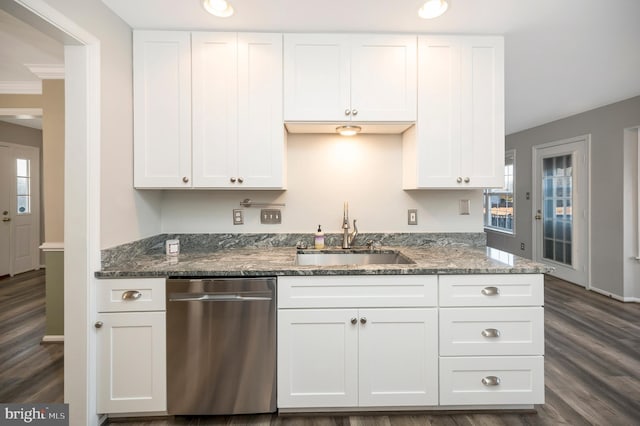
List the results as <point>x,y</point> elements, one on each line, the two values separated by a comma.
<point>433,8</point>
<point>348,130</point>
<point>219,8</point>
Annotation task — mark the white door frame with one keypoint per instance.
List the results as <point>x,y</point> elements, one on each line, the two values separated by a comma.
<point>34,238</point>
<point>536,197</point>
<point>82,203</point>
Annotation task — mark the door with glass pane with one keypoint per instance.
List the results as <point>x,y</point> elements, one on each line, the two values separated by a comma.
<point>19,209</point>
<point>561,198</point>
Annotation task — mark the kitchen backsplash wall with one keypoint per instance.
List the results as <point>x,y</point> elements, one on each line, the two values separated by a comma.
<point>324,171</point>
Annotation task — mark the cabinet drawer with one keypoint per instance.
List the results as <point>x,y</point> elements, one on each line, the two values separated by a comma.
<point>492,290</point>
<point>137,294</point>
<point>491,331</point>
<point>364,291</point>
<point>492,380</point>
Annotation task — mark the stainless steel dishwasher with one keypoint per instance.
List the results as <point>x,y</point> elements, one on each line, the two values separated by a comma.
<point>221,346</point>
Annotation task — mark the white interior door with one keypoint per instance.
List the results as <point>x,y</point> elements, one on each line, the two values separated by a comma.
<point>5,209</point>
<point>20,199</point>
<point>561,200</point>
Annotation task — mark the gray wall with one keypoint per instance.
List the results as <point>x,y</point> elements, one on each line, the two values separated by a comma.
<point>606,125</point>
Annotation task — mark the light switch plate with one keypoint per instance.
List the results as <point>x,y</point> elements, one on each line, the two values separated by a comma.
<point>465,207</point>
<point>238,217</point>
<point>270,216</point>
<point>412,216</point>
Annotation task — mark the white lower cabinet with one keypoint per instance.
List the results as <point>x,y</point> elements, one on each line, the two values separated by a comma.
<point>359,356</point>
<point>131,344</point>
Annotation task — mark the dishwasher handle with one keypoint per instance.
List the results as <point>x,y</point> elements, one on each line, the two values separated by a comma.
<point>204,297</point>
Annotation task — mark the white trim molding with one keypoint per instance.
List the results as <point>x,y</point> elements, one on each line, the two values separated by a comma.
<point>47,71</point>
<point>21,87</point>
<point>49,246</point>
<point>615,296</point>
<point>53,339</point>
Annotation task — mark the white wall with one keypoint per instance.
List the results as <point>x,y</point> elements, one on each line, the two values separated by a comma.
<point>323,172</point>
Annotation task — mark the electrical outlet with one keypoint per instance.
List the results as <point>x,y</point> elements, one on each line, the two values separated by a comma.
<point>270,216</point>
<point>521,246</point>
<point>412,216</point>
<point>464,207</point>
<point>238,217</point>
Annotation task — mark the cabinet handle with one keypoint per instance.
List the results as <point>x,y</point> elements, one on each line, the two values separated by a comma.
<point>185,179</point>
<point>354,320</point>
<point>491,381</point>
<point>98,324</point>
<point>233,180</point>
<point>363,320</point>
<point>347,111</point>
<point>459,180</point>
<point>354,112</point>
<point>490,332</point>
<point>131,295</point>
<point>467,179</point>
<point>490,291</point>
<point>240,180</point>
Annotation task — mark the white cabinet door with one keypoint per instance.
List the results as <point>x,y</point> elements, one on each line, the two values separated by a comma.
<point>341,77</point>
<point>238,136</point>
<point>383,77</point>
<point>398,358</point>
<point>131,362</point>
<point>215,106</point>
<point>317,358</point>
<point>458,141</point>
<point>316,77</point>
<point>261,144</point>
<point>162,109</point>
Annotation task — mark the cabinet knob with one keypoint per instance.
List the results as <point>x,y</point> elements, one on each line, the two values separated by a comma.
<point>491,381</point>
<point>467,179</point>
<point>354,320</point>
<point>354,112</point>
<point>240,180</point>
<point>347,111</point>
<point>459,180</point>
<point>131,295</point>
<point>233,180</point>
<point>185,179</point>
<point>490,332</point>
<point>490,291</point>
<point>98,324</point>
<point>363,320</point>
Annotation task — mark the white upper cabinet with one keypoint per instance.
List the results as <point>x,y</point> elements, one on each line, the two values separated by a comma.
<point>238,137</point>
<point>162,109</point>
<point>458,140</point>
<point>341,77</point>
<point>219,127</point>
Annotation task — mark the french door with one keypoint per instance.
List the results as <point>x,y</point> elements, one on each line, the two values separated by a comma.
<point>19,208</point>
<point>561,216</point>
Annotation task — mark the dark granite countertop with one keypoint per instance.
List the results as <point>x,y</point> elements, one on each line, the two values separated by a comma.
<point>269,261</point>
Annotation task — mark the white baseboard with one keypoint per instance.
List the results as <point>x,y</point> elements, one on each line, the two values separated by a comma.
<point>615,296</point>
<point>53,339</point>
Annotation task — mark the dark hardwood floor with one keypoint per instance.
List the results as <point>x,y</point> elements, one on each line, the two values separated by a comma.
<point>592,365</point>
<point>29,371</point>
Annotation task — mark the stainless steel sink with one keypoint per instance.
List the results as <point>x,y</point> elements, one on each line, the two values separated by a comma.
<point>351,257</point>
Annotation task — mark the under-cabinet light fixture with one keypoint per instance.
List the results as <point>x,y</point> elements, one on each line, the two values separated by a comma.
<point>433,8</point>
<point>219,8</point>
<point>348,130</point>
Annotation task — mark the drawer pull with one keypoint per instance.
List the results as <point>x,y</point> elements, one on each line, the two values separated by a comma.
<point>490,332</point>
<point>490,291</point>
<point>491,381</point>
<point>131,295</point>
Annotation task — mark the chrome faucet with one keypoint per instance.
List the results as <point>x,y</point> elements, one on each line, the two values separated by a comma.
<point>347,237</point>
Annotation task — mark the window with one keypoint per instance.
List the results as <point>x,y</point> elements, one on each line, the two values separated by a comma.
<point>23,190</point>
<point>499,204</point>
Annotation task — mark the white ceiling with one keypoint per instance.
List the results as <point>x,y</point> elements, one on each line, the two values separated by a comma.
<point>562,57</point>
